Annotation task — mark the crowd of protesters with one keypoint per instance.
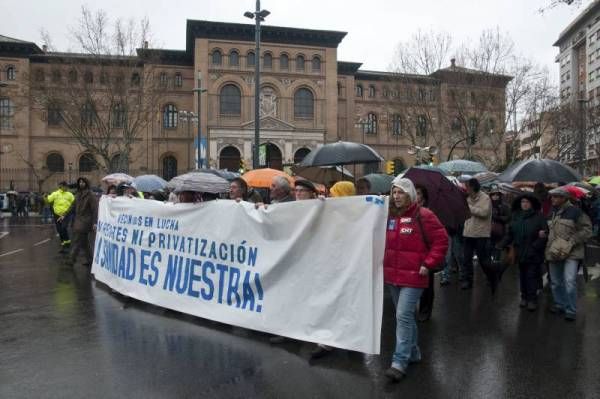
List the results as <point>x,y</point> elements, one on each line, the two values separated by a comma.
<point>539,232</point>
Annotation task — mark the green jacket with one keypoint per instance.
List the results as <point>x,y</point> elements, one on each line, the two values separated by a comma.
<point>61,201</point>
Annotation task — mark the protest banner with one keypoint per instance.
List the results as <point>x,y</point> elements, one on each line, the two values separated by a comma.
<point>309,270</point>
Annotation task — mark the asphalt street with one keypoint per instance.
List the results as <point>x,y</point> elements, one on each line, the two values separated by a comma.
<point>63,335</point>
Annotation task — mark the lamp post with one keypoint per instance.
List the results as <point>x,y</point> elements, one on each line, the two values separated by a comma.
<point>259,16</point>
<point>189,118</point>
<point>198,89</point>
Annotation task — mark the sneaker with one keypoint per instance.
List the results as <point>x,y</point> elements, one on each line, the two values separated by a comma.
<point>394,374</point>
<point>532,306</point>
<point>556,309</point>
<point>570,316</point>
<point>320,351</point>
<point>523,303</point>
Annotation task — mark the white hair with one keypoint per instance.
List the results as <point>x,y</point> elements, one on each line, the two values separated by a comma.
<point>282,183</point>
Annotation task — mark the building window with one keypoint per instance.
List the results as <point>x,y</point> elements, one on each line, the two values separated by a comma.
<point>163,79</point>
<point>87,163</point>
<point>88,77</point>
<point>55,162</point>
<point>304,106</point>
<point>6,113</point>
<point>54,115</point>
<point>268,60</point>
<point>491,125</point>
<point>250,59</point>
<point>170,116</point>
<point>10,73</point>
<point>316,64</point>
<point>135,79</point>
<point>284,62</point>
<point>216,57</point>
<point>371,123</point>
<point>119,116</point>
<point>472,125</point>
<point>73,76</point>
<point>422,95</point>
<point>421,126</point>
<point>39,75</point>
<point>56,76</point>
<point>371,91</point>
<point>230,100</point>
<point>119,163</point>
<point>234,58</point>
<point>339,89</point>
<point>300,63</point>
<point>178,80</point>
<point>359,91</point>
<point>396,125</point>
<point>87,115</point>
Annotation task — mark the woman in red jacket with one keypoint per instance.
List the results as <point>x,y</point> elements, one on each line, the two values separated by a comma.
<point>416,242</point>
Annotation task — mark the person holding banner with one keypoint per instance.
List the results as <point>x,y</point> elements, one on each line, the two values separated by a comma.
<point>416,242</point>
<point>239,190</point>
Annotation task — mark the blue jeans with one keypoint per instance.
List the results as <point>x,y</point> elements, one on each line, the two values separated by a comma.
<point>455,252</point>
<point>407,350</point>
<point>564,284</point>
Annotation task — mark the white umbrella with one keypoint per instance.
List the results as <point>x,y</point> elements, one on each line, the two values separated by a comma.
<point>201,182</point>
<point>117,178</point>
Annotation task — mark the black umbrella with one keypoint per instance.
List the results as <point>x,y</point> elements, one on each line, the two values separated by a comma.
<point>446,200</point>
<point>341,153</point>
<point>539,170</point>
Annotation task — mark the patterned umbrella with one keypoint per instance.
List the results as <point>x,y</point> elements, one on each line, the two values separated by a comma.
<point>117,178</point>
<point>463,166</point>
<point>199,182</point>
<point>225,174</point>
<point>486,177</point>
<point>149,183</point>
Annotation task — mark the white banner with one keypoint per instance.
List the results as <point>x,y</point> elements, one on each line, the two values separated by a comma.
<point>310,270</point>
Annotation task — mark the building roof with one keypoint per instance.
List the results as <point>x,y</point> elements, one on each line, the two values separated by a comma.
<point>578,22</point>
<point>269,34</point>
<point>377,75</point>
<point>347,68</point>
<point>6,39</point>
<point>18,48</point>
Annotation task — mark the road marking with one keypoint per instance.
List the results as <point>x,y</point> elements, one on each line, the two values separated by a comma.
<point>3,234</point>
<point>11,252</point>
<point>41,242</point>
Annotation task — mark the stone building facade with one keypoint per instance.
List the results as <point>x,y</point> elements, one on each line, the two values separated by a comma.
<point>308,98</point>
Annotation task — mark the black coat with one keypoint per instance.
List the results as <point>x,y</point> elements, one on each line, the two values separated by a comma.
<point>523,233</point>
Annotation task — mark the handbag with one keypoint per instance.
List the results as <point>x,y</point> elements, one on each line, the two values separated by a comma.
<point>560,248</point>
<point>437,268</point>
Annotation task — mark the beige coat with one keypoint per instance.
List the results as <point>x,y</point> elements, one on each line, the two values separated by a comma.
<point>571,224</point>
<point>479,225</point>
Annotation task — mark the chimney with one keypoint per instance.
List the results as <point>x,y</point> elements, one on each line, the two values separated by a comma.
<point>45,48</point>
<point>452,63</point>
<point>145,44</point>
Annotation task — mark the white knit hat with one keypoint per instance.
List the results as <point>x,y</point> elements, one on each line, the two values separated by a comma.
<point>405,185</point>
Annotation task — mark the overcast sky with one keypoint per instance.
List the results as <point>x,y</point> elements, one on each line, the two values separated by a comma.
<point>374,27</point>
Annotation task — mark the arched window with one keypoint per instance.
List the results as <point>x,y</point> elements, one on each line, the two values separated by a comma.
<point>316,64</point>
<point>56,76</point>
<point>88,77</point>
<point>230,159</point>
<point>230,100</point>
<point>250,59</point>
<point>284,62</point>
<point>234,58</point>
<point>6,113</point>
<point>359,91</point>
<point>119,163</point>
<point>169,167</point>
<point>396,125</point>
<point>217,57</point>
<point>371,91</point>
<point>163,79</point>
<point>371,123</point>
<point>178,79</point>
<point>300,63</point>
<point>118,116</point>
<point>10,73</point>
<point>421,126</point>
<point>88,115</point>
<point>135,79</point>
<point>73,76</point>
<point>304,104</point>
<point>268,60</point>
<point>170,116</point>
<point>87,163</point>
<point>55,162</point>
<point>300,154</point>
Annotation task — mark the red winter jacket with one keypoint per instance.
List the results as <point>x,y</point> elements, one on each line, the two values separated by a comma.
<point>405,251</point>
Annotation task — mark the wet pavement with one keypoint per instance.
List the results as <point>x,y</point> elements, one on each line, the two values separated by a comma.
<point>63,335</point>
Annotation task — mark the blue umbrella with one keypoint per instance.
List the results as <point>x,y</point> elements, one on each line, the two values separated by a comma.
<point>463,166</point>
<point>149,183</point>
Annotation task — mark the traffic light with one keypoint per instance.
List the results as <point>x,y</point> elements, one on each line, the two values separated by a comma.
<point>389,167</point>
<point>242,166</point>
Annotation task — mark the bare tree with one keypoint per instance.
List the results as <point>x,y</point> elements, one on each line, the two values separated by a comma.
<point>106,95</point>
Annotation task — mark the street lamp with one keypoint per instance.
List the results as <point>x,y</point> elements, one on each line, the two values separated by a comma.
<point>259,16</point>
<point>198,89</point>
<point>421,152</point>
<point>188,117</point>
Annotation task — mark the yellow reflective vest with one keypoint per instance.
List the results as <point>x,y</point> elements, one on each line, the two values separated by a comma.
<point>61,201</point>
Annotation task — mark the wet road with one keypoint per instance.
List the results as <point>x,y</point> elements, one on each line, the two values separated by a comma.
<point>62,335</point>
